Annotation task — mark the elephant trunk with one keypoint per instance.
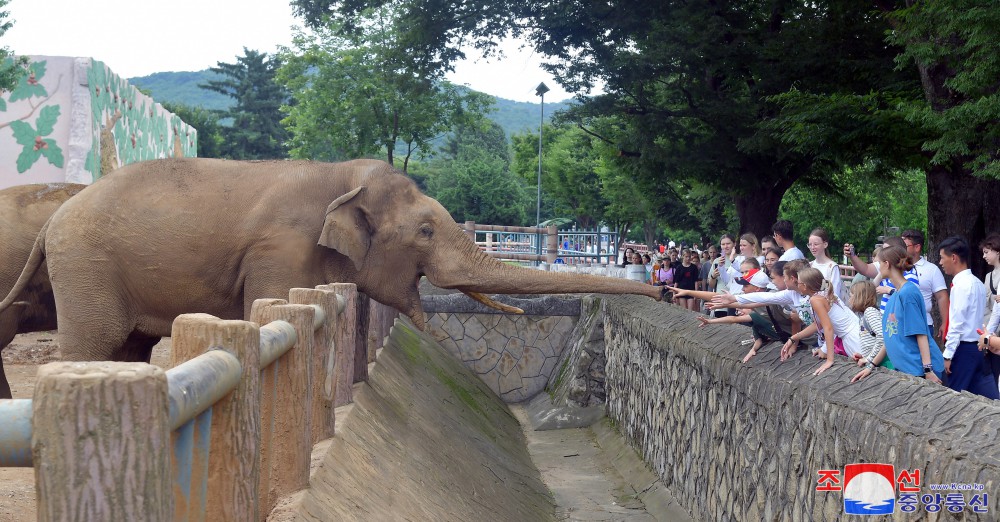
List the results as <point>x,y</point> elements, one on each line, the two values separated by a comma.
<point>480,273</point>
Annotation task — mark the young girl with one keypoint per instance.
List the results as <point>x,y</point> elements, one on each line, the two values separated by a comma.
<point>771,257</point>
<point>832,318</point>
<point>685,276</point>
<point>864,301</point>
<point>819,241</point>
<point>908,340</point>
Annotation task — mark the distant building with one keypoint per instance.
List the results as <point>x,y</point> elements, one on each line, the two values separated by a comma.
<point>73,120</point>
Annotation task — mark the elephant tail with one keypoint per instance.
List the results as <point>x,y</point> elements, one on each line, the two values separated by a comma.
<point>35,259</point>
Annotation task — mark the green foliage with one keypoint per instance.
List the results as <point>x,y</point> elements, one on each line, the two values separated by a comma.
<point>355,98</point>
<point>956,45</point>
<point>858,207</point>
<point>206,122</point>
<point>256,131</point>
<point>569,171</point>
<point>11,69</point>
<point>472,178</point>
<point>34,142</point>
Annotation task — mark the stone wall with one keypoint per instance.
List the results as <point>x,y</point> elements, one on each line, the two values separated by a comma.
<point>513,354</point>
<point>740,441</point>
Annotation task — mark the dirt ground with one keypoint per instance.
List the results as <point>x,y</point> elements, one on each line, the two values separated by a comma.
<point>20,361</point>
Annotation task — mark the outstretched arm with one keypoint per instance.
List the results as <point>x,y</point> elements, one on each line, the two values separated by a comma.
<point>698,294</point>
<point>865,269</point>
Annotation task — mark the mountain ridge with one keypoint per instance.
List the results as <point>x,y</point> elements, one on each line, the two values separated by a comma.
<point>182,87</point>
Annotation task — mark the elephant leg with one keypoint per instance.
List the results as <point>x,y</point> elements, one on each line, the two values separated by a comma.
<point>9,320</point>
<point>137,348</point>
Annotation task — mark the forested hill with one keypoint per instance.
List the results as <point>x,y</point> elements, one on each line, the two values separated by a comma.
<point>182,87</point>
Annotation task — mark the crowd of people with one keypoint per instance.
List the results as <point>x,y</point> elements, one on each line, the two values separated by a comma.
<point>879,318</point>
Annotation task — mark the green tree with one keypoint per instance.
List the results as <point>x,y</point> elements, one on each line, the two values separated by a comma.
<point>473,179</point>
<point>353,96</point>
<point>11,69</point>
<point>569,171</point>
<point>256,131</point>
<point>689,83</point>
<point>206,122</point>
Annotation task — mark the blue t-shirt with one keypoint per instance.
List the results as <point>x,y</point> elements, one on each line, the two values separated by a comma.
<point>905,317</point>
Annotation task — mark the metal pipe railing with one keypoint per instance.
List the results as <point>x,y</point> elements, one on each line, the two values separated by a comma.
<point>197,384</point>
<point>15,433</point>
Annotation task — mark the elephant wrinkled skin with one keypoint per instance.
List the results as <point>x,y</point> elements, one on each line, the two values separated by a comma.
<point>167,237</point>
<point>23,211</point>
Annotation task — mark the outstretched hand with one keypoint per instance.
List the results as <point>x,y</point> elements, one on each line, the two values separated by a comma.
<point>705,321</point>
<point>678,292</point>
<point>749,354</point>
<point>865,372</point>
<point>824,367</point>
<point>788,349</point>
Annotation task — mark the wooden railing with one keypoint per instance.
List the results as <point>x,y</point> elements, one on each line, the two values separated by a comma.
<point>222,435</point>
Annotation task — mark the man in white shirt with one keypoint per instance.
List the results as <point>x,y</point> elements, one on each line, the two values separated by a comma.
<point>929,276</point>
<point>783,236</point>
<point>964,365</point>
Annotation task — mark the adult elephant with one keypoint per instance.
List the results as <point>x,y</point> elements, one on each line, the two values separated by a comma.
<point>167,237</point>
<point>23,211</point>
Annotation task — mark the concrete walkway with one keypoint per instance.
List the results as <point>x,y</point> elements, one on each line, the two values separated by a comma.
<point>594,476</point>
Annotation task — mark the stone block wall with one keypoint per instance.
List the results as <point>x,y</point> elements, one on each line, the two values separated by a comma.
<point>737,441</point>
<point>513,354</point>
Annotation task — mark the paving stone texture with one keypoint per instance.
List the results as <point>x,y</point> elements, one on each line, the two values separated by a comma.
<point>738,441</point>
<point>513,354</point>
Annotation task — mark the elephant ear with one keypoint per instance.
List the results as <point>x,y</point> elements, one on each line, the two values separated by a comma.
<point>346,228</point>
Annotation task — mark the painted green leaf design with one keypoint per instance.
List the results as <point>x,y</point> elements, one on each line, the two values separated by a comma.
<point>47,119</point>
<point>3,105</point>
<point>52,153</point>
<point>27,158</point>
<point>24,133</point>
<point>28,86</point>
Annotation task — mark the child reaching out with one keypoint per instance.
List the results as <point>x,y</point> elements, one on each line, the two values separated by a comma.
<point>753,280</point>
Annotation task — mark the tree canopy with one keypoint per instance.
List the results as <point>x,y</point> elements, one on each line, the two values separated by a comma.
<point>472,177</point>
<point>256,131</point>
<point>354,96</point>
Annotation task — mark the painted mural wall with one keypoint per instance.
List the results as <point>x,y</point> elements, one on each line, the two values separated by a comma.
<point>74,120</point>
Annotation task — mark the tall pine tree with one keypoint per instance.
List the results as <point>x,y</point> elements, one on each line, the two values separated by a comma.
<point>256,131</point>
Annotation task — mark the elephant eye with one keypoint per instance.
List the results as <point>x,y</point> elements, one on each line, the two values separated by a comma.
<point>427,231</point>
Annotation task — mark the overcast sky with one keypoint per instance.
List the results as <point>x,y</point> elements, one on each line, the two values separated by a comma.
<point>139,37</point>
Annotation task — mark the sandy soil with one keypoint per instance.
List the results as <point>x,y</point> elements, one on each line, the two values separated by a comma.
<point>20,361</point>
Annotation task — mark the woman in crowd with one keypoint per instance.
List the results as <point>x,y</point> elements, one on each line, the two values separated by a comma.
<point>991,254</point>
<point>909,342</point>
<point>819,242</point>
<point>685,276</point>
<point>864,302</point>
<point>648,263</point>
<point>770,258</point>
<point>636,271</point>
<point>627,257</point>
<point>664,275</point>
<point>832,319</point>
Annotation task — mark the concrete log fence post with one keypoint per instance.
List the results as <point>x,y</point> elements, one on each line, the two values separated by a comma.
<point>92,422</point>
<point>470,230</point>
<point>323,360</point>
<point>287,387</point>
<point>551,244</point>
<point>233,462</point>
<point>346,336</point>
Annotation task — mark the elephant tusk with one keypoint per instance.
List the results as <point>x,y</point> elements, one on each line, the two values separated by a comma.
<point>493,304</point>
